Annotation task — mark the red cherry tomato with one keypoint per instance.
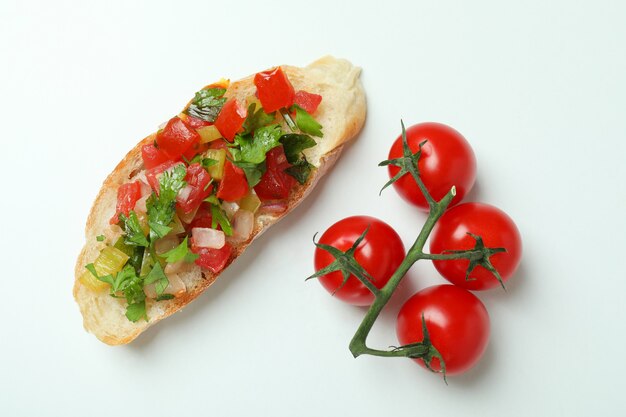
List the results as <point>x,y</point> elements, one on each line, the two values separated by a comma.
<point>274,89</point>
<point>176,137</point>
<point>233,185</point>
<point>457,322</point>
<point>308,101</point>
<point>197,189</point>
<point>380,253</point>
<point>152,156</point>
<point>212,259</point>
<point>497,231</point>
<point>275,182</point>
<point>231,118</point>
<point>127,196</point>
<point>446,160</point>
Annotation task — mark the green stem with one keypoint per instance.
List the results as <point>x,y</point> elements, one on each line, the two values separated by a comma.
<point>358,344</point>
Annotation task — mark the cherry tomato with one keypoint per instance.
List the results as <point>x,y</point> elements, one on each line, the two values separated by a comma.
<point>197,189</point>
<point>275,182</point>
<point>233,185</point>
<point>446,160</point>
<point>308,101</point>
<point>231,118</point>
<point>212,259</point>
<point>176,137</point>
<point>380,253</point>
<point>127,196</point>
<point>274,89</point>
<point>497,231</point>
<point>457,322</point>
<point>152,156</point>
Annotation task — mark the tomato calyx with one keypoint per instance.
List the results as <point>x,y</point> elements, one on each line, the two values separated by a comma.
<point>479,255</point>
<point>408,165</point>
<point>424,350</point>
<point>346,264</point>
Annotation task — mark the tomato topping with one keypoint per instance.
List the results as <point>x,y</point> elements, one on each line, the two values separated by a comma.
<point>153,174</point>
<point>196,123</point>
<point>152,156</point>
<point>197,189</point>
<point>194,150</point>
<point>308,101</point>
<point>203,217</point>
<point>212,259</point>
<point>275,182</point>
<point>234,185</point>
<point>127,196</point>
<point>176,137</point>
<point>274,89</point>
<point>231,118</point>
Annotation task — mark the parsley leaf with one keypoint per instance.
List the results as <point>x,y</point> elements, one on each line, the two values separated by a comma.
<point>100,238</point>
<point>136,311</point>
<point>161,208</point>
<point>180,253</point>
<point>253,171</point>
<point>257,119</point>
<point>253,149</point>
<point>294,144</point>
<point>207,104</point>
<point>156,275</point>
<point>207,162</point>
<point>218,216</point>
<point>306,123</point>
<point>164,297</point>
<point>105,278</point>
<point>133,230</point>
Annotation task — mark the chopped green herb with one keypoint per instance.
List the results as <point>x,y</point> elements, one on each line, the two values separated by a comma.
<point>180,253</point>
<point>219,217</point>
<point>257,119</point>
<point>253,148</point>
<point>105,278</point>
<point>163,297</point>
<point>133,230</point>
<point>100,238</point>
<point>136,311</point>
<point>207,104</point>
<point>294,144</point>
<point>306,123</point>
<point>253,171</point>
<point>207,162</point>
<point>158,277</point>
<point>161,208</point>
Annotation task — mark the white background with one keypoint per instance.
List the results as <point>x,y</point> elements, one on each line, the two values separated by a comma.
<point>537,87</point>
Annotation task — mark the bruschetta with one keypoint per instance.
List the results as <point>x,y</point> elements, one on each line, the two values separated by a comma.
<point>187,200</point>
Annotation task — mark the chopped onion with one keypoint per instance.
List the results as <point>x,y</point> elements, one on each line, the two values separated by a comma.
<point>274,207</point>
<point>187,217</point>
<point>140,205</point>
<point>173,268</point>
<point>184,192</point>
<point>176,287</point>
<point>243,224</point>
<point>204,237</point>
<point>166,244</point>
<point>230,208</point>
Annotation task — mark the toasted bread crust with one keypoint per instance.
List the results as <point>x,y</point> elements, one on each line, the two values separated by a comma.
<point>342,114</point>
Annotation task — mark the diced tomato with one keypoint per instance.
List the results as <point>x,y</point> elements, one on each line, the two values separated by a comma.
<point>197,189</point>
<point>275,183</point>
<point>274,89</point>
<point>234,185</point>
<point>127,196</point>
<point>212,259</point>
<point>231,118</point>
<point>194,150</point>
<point>196,123</point>
<point>308,101</point>
<point>203,217</point>
<point>176,137</point>
<point>152,156</point>
<point>153,174</point>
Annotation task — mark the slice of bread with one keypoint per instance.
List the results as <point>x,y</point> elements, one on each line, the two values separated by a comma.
<point>341,113</point>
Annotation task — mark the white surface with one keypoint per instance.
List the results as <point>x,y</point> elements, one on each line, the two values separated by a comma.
<point>537,87</point>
